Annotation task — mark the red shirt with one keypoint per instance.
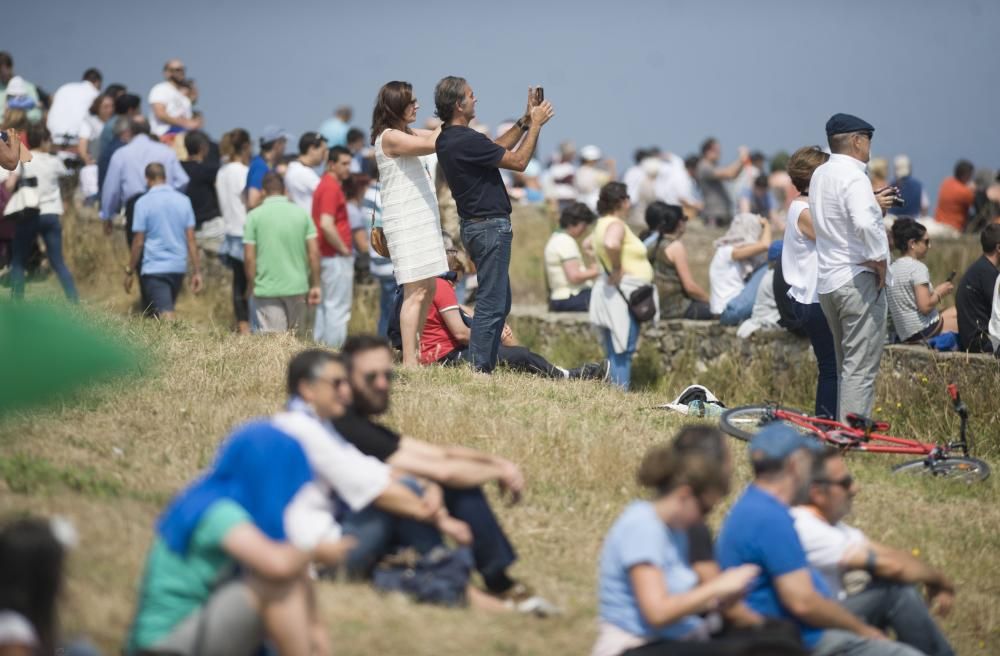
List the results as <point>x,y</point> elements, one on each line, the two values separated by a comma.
<point>329,199</point>
<point>954,201</point>
<point>437,341</point>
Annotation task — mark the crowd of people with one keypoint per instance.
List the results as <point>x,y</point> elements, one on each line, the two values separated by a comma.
<point>323,487</point>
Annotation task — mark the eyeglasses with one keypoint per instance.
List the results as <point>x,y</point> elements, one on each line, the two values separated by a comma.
<point>334,382</point>
<point>372,376</point>
<point>926,240</point>
<point>176,69</point>
<point>412,102</point>
<point>847,482</point>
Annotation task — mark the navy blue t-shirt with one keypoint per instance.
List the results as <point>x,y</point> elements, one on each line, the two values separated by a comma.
<point>469,161</point>
<point>759,529</point>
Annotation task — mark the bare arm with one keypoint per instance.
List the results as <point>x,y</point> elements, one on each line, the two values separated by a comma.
<point>456,326</point>
<point>895,565</point>
<point>160,112</point>
<point>805,224</point>
<point>254,198</point>
<point>517,160</point>
<point>192,246</point>
<point>731,171</point>
<point>250,266</point>
<point>576,273</point>
<point>138,239</point>
<point>397,143</point>
<point>749,250</point>
<point>312,252</point>
<point>797,594</point>
<point>677,254</point>
<point>267,558</point>
<point>450,472</point>
<point>10,150</point>
<point>659,607</point>
<point>510,138</point>
<point>328,228</point>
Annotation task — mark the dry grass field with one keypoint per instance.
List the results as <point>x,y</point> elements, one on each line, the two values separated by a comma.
<point>112,456</point>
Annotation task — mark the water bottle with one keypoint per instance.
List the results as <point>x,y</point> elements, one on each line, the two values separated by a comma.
<point>699,408</point>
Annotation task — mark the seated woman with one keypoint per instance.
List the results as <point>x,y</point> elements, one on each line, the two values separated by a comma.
<point>446,334</point>
<point>651,600</point>
<point>220,576</point>
<point>737,268</point>
<point>568,280</point>
<point>912,302</point>
<point>680,296</point>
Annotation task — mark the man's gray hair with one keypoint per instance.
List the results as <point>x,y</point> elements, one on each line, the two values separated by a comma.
<point>841,143</point>
<point>448,92</point>
<point>120,126</point>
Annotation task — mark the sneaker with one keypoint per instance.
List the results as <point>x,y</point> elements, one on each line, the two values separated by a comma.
<point>594,371</point>
<point>523,599</point>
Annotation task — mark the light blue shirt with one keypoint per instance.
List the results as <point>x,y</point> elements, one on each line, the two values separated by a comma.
<point>126,175</point>
<point>640,537</point>
<point>334,131</point>
<point>164,215</point>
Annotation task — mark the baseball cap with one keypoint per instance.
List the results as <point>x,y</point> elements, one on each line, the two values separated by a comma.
<point>778,440</point>
<point>902,166</point>
<point>272,133</point>
<point>590,153</point>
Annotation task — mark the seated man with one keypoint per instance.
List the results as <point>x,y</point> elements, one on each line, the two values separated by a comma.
<point>568,280</point>
<point>460,471</point>
<point>974,294</point>
<point>840,553</point>
<point>759,530</point>
<point>446,334</point>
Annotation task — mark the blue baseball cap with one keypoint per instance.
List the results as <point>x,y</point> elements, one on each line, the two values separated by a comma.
<point>778,440</point>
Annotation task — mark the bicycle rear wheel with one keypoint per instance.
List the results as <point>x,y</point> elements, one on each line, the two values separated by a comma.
<point>742,423</point>
<point>954,467</point>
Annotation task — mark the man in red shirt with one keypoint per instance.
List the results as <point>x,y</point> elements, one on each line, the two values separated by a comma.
<point>955,197</point>
<point>329,212</point>
<point>446,335</point>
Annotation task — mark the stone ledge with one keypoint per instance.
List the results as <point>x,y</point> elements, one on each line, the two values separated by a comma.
<point>707,340</point>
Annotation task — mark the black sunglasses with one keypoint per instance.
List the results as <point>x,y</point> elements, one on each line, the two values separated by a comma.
<point>372,376</point>
<point>845,482</point>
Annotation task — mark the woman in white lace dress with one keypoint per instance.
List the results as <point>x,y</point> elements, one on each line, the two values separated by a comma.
<point>410,215</point>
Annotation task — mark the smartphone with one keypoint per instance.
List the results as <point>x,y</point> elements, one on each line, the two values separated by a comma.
<point>951,276</point>
<point>539,95</point>
<point>3,135</point>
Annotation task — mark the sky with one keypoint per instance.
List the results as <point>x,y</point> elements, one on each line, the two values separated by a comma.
<point>764,73</point>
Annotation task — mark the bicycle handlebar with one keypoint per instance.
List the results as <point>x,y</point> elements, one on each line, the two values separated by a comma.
<point>956,400</point>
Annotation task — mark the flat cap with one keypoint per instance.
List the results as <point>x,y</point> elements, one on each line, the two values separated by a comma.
<point>846,123</point>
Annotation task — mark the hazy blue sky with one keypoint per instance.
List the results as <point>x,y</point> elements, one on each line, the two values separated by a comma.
<point>767,73</point>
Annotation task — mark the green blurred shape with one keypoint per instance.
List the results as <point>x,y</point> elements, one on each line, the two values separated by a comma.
<point>47,351</point>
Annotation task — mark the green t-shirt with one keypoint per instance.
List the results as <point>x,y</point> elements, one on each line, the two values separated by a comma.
<point>279,228</point>
<point>174,586</point>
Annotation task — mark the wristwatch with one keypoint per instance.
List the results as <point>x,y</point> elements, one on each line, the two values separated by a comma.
<point>522,125</point>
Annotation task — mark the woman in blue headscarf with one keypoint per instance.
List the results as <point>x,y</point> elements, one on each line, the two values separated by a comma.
<point>220,575</point>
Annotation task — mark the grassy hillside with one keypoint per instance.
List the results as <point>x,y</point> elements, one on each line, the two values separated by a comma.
<point>111,457</point>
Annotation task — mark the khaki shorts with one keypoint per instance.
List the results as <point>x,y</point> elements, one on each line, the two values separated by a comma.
<point>279,314</point>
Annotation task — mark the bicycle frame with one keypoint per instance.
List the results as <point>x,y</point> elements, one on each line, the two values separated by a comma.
<point>861,440</point>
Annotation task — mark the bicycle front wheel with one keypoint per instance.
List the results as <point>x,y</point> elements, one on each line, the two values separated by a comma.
<point>960,468</point>
<point>744,422</point>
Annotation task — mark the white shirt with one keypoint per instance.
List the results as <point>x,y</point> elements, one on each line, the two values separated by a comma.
<point>355,478</point>
<point>798,258</point>
<point>848,223</point>
<point>559,249</point>
<point>826,545</point>
<point>177,105</point>
<point>633,180</point>
<point>674,184</point>
<point>70,105</point>
<point>994,326</point>
<point>725,279</point>
<point>229,185</point>
<point>47,169</point>
<point>300,183</point>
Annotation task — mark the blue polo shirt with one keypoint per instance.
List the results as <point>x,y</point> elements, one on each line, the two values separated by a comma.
<point>759,529</point>
<point>256,172</point>
<point>163,215</point>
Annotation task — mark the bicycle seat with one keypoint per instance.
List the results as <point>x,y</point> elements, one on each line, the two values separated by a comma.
<point>866,424</point>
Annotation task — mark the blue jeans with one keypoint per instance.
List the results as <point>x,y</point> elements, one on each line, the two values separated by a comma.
<point>812,320</point>
<point>887,604</point>
<point>621,363</point>
<point>386,301</point>
<point>578,303</point>
<point>488,243</point>
<point>739,309</point>
<point>25,235</point>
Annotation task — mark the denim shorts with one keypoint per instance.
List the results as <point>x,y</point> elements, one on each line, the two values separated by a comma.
<point>161,290</point>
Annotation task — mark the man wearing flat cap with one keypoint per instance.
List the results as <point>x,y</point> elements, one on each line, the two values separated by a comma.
<point>852,254</point>
<point>759,530</point>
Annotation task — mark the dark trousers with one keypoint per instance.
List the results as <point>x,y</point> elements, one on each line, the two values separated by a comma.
<point>698,311</point>
<point>386,301</point>
<point>26,233</point>
<point>491,549</point>
<point>517,358</point>
<point>887,604</point>
<point>241,308</point>
<point>578,303</point>
<point>488,243</point>
<point>811,319</point>
<point>741,642</point>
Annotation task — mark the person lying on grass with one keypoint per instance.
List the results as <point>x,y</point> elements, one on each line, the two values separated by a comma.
<point>221,577</point>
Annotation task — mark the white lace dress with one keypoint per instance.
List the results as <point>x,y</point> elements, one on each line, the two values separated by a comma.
<point>410,217</point>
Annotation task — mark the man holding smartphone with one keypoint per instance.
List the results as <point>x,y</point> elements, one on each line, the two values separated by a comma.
<point>471,163</point>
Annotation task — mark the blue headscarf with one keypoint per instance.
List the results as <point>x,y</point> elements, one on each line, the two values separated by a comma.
<point>258,467</point>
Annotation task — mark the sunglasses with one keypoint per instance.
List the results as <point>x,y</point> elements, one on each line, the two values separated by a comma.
<point>372,376</point>
<point>845,482</point>
<point>180,69</point>
<point>334,382</point>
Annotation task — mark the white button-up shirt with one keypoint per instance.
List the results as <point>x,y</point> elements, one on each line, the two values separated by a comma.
<point>848,223</point>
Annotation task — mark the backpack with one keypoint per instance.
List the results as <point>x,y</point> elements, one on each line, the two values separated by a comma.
<point>440,576</point>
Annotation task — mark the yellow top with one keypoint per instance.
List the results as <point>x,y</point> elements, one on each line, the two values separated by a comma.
<point>634,262</point>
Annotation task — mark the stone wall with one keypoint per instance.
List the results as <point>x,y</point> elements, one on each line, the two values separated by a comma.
<point>679,341</point>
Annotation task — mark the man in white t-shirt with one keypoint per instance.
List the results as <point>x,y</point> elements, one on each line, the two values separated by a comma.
<point>301,178</point>
<point>70,105</point>
<point>873,581</point>
<point>169,106</point>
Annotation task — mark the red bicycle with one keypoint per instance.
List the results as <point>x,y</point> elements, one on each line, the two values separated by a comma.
<point>945,459</point>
